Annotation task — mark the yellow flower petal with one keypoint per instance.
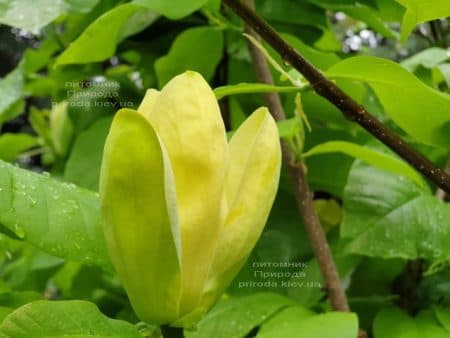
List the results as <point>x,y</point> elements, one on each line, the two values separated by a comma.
<point>147,103</point>
<point>186,116</point>
<point>140,230</point>
<point>252,182</point>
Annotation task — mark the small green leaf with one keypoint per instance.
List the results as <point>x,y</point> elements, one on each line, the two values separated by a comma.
<point>183,56</point>
<point>289,128</point>
<point>100,39</point>
<point>43,319</point>
<point>428,58</point>
<point>368,155</point>
<point>12,145</point>
<point>418,11</point>
<point>11,92</point>
<point>59,218</point>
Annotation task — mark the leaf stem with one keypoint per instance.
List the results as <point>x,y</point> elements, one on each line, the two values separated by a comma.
<point>171,332</point>
<point>349,107</point>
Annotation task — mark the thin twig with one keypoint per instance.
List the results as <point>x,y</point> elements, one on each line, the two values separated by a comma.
<point>349,107</point>
<point>441,194</point>
<point>303,193</point>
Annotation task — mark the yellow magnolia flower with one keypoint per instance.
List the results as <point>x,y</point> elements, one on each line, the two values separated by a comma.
<point>182,207</point>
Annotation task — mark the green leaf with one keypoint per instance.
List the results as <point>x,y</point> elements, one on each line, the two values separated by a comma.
<point>289,128</point>
<point>212,5</point>
<point>418,11</point>
<point>64,319</point>
<point>88,105</point>
<point>32,15</point>
<point>100,39</point>
<point>12,145</point>
<point>174,9</point>
<point>11,92</point>
<point>387,215</point>
<point>14,299</point>
<point>284,320</point>
<point>293,12</point>
<point>320,59</point>
<point>198,49</point>
<point>358,11</point>
<point>443,316</point>
<point>11,300</point>
<point>57,217</point>
<point>388,10</point>
<point>418,109</point>
<point>249,88</point>
<point>428,58</point>
<point>445,70</point>
<point>368,155</point>
<point>83,165</point>
<point>393,323</point>
<point>61,128</point>
<point>328,325</point>
<point>236,317</point>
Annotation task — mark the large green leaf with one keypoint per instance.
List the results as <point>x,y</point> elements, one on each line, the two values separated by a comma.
<point>174,9</point>
<point>198,49</point>
<point>368,155</point>
<point>418,109</point>
<point>236,317</point>
<point>57,217</point>
<point>31,15</point>
<point>42,319</point>
<point>328,325</point>
<point>100,39</point>
<point>418,11</point>
<point>393,323</point>
<point>386,215</point>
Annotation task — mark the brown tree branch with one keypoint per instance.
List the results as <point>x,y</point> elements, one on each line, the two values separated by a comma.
<point>303,193</point>
<point>349,107</point>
